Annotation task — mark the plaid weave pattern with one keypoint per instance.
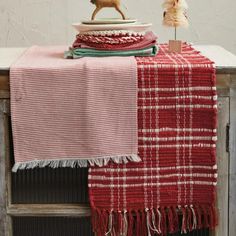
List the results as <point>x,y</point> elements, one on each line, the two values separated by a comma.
<point>177,143</point>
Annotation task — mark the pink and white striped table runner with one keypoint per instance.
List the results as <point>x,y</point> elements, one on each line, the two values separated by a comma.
<point>73,112</point>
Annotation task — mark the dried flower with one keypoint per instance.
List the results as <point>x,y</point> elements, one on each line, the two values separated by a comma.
<point>175,13</point>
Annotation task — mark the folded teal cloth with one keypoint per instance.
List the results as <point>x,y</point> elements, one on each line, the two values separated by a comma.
<point>85,52</point>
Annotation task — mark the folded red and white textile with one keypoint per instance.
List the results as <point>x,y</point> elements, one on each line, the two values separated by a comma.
<point>73,112</point>
<point>173,188</point>
<point>116,42</point>
<point>108,39</point>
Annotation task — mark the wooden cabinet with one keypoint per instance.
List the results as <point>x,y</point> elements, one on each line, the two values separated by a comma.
<point>63,193</point>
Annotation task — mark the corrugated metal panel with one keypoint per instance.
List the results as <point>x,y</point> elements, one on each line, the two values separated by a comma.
<point>33,226</point>
<point>47,185</point>
<point>48,226</point>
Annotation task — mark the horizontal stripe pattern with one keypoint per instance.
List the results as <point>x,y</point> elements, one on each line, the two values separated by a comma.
<point>198,88</point>
<point>181,97</point>
<point>68,109</point>
<point>214,138</point>
<point>152,184</point>
<point>143,169</point>
<point>197,106</point>
<point>177,130</point>
<point>95,177</point>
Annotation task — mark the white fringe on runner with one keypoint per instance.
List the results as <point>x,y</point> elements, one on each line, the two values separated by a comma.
<point>72,163</point>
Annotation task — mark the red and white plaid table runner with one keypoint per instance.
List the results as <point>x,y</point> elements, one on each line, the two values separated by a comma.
<point>177,143</point>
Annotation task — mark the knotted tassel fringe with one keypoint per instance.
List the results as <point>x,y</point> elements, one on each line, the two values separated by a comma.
<point>150,222</point>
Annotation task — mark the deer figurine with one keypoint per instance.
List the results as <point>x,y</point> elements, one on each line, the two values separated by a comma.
<point>106,3</point>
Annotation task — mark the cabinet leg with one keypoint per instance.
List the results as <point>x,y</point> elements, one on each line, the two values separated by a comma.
<point>3,212</point>
<point>9,226</point>
<point>232,169</point>
<point>5,220</point>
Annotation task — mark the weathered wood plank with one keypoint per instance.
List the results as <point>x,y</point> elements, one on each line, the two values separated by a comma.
<point>66,210</point>
<point>223,165</point>
<point>223,80</point>
<point>4,82</point>
<point>6,111</point>
<point>9,222</point>
<point>232,169</point>
<point>221,92</point>
<point>4,86</point>
<point>3,198</point>
<point>4,94</point>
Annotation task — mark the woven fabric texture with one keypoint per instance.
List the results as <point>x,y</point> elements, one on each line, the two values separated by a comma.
<point>108,39</point>
<point>173,187</point>
<point>68,113</point>
<point>122,43</point>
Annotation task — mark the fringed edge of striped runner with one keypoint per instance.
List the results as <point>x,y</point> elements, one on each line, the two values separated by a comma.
<point>161,221</point>
<point>73,163</point>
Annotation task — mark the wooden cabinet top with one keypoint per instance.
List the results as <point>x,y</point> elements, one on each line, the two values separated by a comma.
<point>224,60</point>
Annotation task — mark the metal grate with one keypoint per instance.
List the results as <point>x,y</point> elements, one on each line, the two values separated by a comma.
<point>51,226</point>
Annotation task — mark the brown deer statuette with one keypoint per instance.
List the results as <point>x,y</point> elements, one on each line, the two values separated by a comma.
<point>106,3</point>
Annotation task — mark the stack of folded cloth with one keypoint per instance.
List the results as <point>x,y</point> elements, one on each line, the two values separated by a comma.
<point>113,43</point>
